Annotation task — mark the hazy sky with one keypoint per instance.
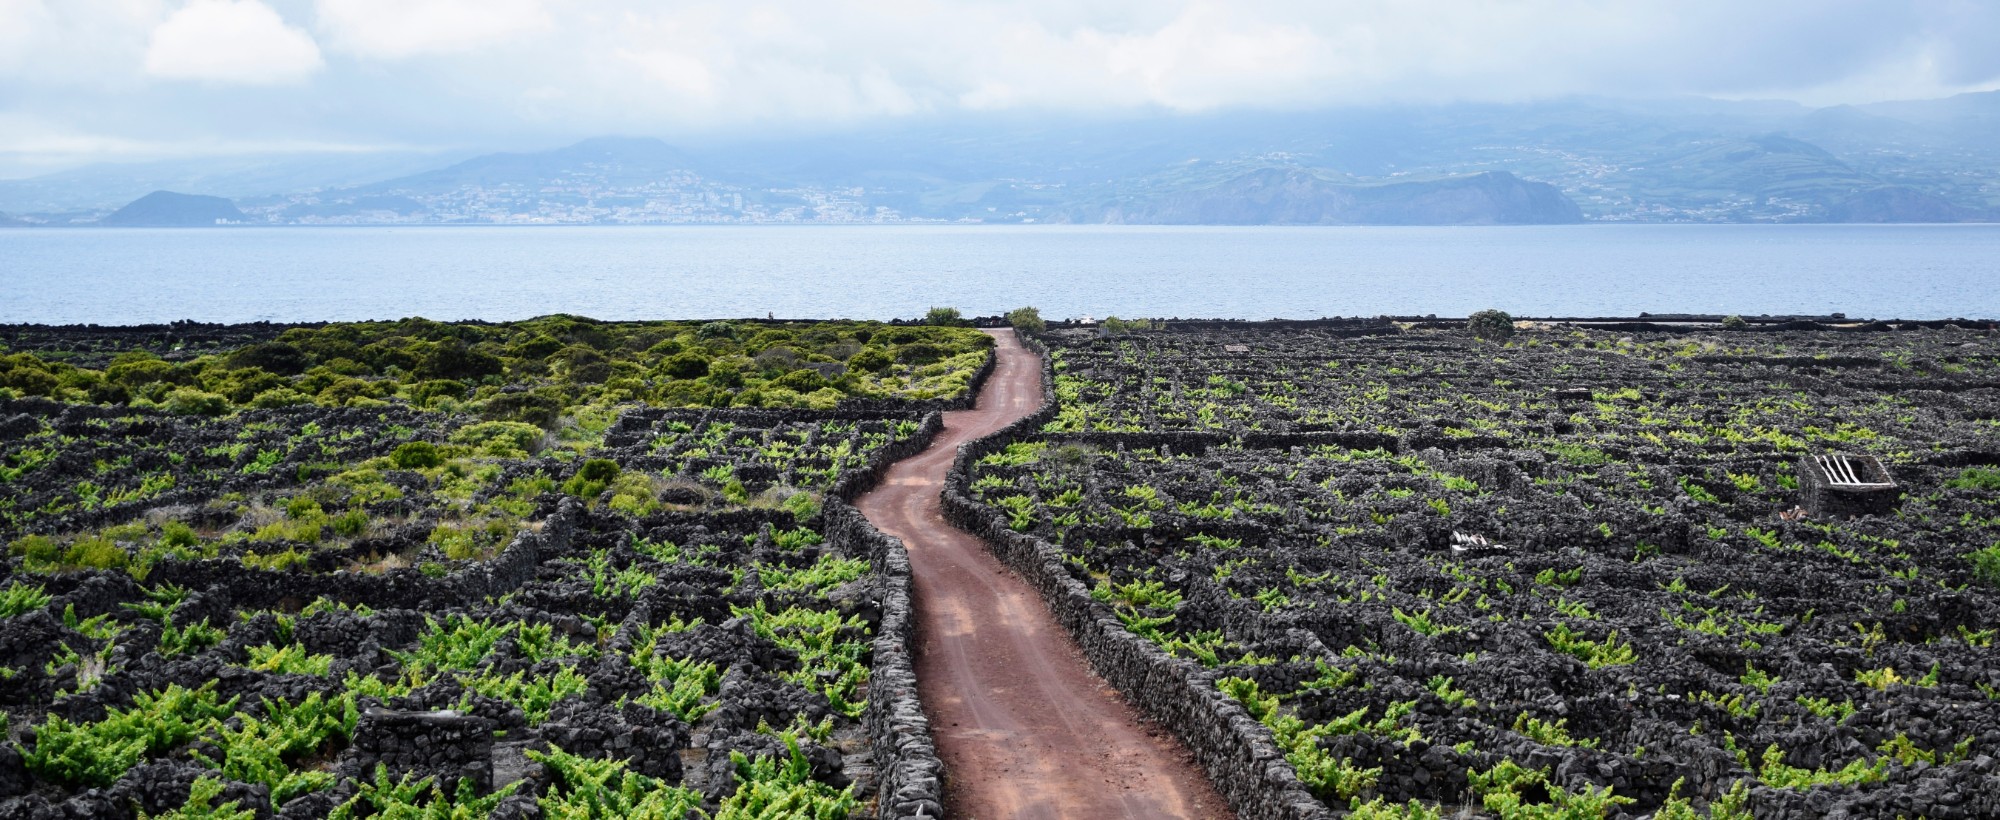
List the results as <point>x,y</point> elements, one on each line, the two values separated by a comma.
<point>85,80</point>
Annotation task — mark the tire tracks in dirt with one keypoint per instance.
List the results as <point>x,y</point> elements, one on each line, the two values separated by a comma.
<point>1025,728</point>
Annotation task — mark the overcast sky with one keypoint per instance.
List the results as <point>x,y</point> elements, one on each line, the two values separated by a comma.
<point>86,80</point>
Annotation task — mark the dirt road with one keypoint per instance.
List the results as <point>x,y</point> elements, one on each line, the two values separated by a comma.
<point>1025,729</point>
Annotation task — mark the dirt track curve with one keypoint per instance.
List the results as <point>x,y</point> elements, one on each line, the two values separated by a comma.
<point>1025,728</point>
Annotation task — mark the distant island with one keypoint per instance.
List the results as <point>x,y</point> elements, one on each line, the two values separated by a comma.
<point>166,209</point>
<point>1579,160</point>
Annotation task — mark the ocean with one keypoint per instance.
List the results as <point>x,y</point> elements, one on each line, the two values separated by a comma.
<point>122,276</point>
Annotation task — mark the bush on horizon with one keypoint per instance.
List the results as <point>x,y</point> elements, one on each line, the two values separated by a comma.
<point>1491,325</point>
<point>945,317</point>
<point>1026,319</point>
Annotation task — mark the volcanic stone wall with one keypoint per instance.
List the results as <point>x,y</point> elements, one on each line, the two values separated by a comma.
<point>906,760</point>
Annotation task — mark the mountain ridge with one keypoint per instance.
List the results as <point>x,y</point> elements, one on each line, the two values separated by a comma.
<point>1278,196</point>
<point>1674,160</point>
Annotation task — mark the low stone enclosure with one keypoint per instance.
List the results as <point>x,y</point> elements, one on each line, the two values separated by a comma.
<point>386,610</point>
<point>1403,572</point>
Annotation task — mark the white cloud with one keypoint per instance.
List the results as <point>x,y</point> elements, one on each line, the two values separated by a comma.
<point>394,29</point>
<point>231,41</point>
<point>1207,56</point>
<point>521,72</point>
<point>76,43</point>
<point>30,145</point>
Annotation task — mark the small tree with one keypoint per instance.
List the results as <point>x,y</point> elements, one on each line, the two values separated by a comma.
<point>1026,319</point>
<point>1491,325</point>
<point>944,317</point>
<point>1734,322</point>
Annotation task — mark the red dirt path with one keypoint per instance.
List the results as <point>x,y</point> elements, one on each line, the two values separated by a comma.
<point>1025,728</point>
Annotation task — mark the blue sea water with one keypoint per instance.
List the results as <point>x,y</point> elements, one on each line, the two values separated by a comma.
<point>114,276</point>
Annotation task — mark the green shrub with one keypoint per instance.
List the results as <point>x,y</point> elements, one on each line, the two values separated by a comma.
<point>96,553</point>
<point>303,508</point>
<point>591,478</point>
<point>277,357</point>
<point>244,385</point>
<point>726,372</point>
<point>500,439</point>
<point>1491,325</point>
<point>530,407</point>
<point>453,360</point>
<point>282,560</point>
<point>801,381</point>
<point>30,381</point>
<point>36,549</point>
<point>192,402</point>
<point>632,494</point>
<point>471,540</point>
<point>416,455</point>
<point>344,391</point>
<point>802,505</point>
<point>350,524</point>
<point>944,317</point>
<point>1026,319</point>
<point>109,393</point>
<point>918,354</point>
<point>1986,564</point>
<point>1734,322</point>
<point>870,360</point>
<point>366,485</point>
<point>177,534</point>
<point>537,346</point>
<point>584,366</point>
<point>688,365</point>
<point>426,394</point>
<point>598,469</point>
<point>279,397</point>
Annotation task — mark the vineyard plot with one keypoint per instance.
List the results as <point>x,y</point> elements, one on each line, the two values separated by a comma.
<point>1568,573</point>
<point>406,601</point>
